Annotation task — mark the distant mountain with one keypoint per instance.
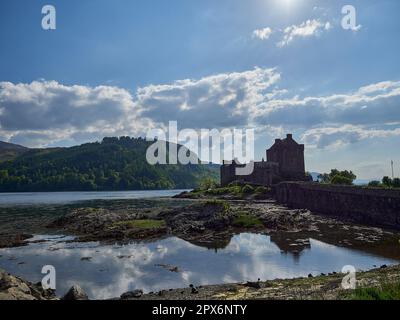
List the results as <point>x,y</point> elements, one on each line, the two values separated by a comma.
<point>315,175</point>
<point>9,151</point>
<point>113,164</point>
<point>362,182</point>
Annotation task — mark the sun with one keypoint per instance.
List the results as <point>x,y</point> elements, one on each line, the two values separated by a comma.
<point>287,4</point>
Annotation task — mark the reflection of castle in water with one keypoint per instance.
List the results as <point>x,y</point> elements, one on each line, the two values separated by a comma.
<point>286,244</point>
<point>285,162</point>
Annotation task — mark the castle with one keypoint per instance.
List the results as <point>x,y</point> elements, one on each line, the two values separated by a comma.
<point>285,162</point>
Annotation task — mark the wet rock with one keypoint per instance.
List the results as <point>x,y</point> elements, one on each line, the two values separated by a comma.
<point>14,288</point>
<point>310,276</point>
<point>136,294</point>
<point>384,266</point>
<point>254,285</point>
<point>18,240</point>
<point>88,259</point>
<point>76,293</point>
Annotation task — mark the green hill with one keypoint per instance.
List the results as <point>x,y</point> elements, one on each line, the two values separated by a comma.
<point>9,151</point>
<point>113,164</point>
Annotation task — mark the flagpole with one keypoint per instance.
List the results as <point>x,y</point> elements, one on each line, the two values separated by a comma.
<point>392,170</point>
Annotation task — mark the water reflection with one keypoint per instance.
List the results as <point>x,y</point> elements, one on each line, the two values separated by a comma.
<point>106,271</point>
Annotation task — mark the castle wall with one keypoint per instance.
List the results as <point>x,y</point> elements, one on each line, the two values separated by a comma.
<point>264,173</point>
<point>378,207</point>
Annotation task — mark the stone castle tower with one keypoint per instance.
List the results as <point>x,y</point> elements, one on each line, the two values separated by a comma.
<point>285,162</point>
<point>290,157</point>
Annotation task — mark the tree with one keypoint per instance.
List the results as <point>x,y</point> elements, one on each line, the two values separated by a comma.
<point>207,184</point>
<point>396,183</point>
<point>374,184</point>
<point>338,177</point>
<point>387,182</point>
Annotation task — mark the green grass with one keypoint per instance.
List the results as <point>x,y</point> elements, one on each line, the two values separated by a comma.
<point>224,191</point>
<point>141,224</point>
<point>221,204</point>
<point>245,220</point>
<point>390,291</point>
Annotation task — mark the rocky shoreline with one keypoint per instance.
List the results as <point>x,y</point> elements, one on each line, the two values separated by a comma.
<point>212,222</point>
<point>324,287</point>
<point>15,288</point>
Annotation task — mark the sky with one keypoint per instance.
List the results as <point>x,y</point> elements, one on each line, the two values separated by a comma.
<point>121,67</point>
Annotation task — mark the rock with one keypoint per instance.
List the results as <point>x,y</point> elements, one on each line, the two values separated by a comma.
<point>254,285</point>
<point>194,290</point>
<point>18,240</point>
<point>14,288</point>
<point>86,259</point>
<point>310,276</point>
<point>132,295</point>
<point>384,266</point>
<point>75,293</point>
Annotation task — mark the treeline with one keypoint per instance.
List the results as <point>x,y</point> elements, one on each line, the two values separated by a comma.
<point>386,183</point>
<point>113,164</point>
<point>347,178</point>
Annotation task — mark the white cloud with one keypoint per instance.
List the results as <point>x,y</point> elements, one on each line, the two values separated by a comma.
<point>262,34</point>
<point>306,29</point>
<point>45,113</point>
<point>375,104</point>
<point>347,134</point>
<point>217,101</point>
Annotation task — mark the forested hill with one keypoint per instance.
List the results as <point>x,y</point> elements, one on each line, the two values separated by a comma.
<point>9,151</point>
<point>113,164</point>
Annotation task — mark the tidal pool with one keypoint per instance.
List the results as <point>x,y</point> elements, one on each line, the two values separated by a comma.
<point>107,271</point>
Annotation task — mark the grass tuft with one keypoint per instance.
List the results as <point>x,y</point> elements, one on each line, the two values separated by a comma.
<point>245,220</point>
<point>389,291</point>
<point>140,224</point>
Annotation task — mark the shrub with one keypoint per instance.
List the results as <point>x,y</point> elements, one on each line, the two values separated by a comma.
<point>247,189</point>
<point>262,190</point>
<point>208,183</point>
